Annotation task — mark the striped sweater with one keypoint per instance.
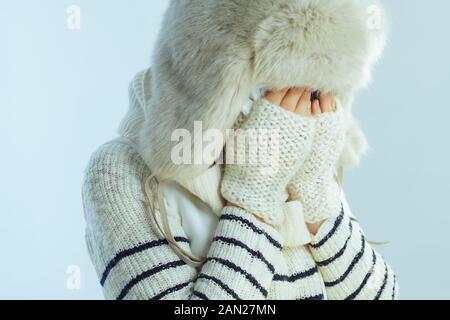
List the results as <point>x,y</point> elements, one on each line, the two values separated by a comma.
<point>246,259</point>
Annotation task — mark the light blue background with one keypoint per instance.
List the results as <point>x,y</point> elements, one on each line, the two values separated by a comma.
<point>64,92</point>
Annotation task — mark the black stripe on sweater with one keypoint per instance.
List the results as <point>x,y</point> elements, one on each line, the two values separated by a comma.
<point>340,252</point>
<point>128,252</point>
<point>312,298</point>
<point>224,287</point>
<point>366,278</point>
<point>178,287</point>
<point>383,286</point>
<point>238,269</point>
<point>355,260</point>
<point>336,225</point>
<point>200,295</point>
<point>253,228</point>
<point>253,253</point>
<point>147,274</point>
<point>296,276</point>
<point>394,287</point>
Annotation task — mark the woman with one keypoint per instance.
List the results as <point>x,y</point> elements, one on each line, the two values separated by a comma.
<point>160,228</point>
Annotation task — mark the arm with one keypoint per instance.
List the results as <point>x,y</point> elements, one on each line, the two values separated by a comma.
<point>134,263</point>
<point>350,267</point>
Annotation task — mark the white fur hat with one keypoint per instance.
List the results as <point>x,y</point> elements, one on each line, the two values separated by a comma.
<point>211,54</point>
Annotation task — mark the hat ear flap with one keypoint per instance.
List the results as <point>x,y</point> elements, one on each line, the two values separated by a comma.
<point>187,104</point>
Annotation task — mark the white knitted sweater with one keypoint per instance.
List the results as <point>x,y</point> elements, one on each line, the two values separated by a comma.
<point>246,260</point>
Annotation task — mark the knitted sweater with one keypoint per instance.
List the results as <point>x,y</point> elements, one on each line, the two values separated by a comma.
<point>246,259</point>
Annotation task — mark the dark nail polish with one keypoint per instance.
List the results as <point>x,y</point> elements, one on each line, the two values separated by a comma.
<point>315,95</point>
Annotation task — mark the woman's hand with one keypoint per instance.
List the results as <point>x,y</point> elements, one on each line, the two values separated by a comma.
<point>302,101</point>
<point>298,100</point>
<point>259,185</point>
<point>314,184</point>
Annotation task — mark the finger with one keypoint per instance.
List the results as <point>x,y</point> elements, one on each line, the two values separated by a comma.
<point>291,99</point>
<point>304,104</point>
<point>301,92</point>
<point>326,102</point>
<point>315,95</point>
<point>276,96</point>
<point>316,108</point>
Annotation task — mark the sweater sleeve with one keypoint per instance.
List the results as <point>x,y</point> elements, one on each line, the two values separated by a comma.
<point>350,267</point>
<point>133,262</point>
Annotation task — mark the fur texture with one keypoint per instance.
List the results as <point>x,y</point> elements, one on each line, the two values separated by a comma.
<point>211,54</point>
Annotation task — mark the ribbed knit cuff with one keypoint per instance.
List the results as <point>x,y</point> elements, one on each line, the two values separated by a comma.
<point>236,222</point>
<point>241,261</point>
<point>332,234</point>
<point>349,266</point>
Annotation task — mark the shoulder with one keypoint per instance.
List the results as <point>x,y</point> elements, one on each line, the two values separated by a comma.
<point>117,153</point>
<point>115,169</point>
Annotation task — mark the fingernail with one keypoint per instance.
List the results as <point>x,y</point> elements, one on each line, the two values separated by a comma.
<point>316,107</point>
<point>315,95</point>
